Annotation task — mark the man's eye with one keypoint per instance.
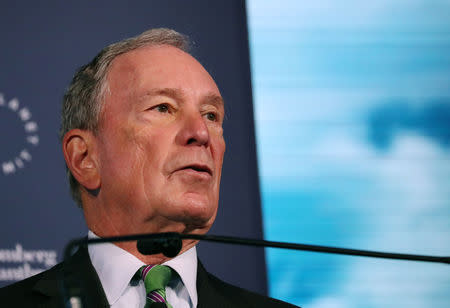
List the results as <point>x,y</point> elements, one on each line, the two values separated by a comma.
<point>211,116</point>
<point>163,108</point>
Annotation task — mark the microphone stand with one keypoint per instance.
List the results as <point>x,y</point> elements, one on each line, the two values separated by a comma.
<point>170,245</point>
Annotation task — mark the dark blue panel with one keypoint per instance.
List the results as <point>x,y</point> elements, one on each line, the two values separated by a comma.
<point>42,45</point>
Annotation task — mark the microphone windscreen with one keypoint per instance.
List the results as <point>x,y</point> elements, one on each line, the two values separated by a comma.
<point>170,247</point>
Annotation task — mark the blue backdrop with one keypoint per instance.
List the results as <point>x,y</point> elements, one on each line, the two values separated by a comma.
<point>352,110</point>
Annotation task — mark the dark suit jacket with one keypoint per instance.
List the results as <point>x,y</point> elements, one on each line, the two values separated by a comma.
<point>48,289</point>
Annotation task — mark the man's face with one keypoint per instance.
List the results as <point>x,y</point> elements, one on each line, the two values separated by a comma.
<point>160,143</point>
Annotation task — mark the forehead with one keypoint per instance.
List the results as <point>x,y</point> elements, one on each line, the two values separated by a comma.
<point>155,67</point>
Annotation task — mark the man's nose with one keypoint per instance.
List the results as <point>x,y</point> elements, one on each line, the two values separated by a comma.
<point>194,130</point>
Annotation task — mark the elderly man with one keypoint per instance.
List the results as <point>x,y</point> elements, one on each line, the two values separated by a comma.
<point>143,142</point>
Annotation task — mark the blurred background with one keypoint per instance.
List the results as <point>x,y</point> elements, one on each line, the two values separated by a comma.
<point>351,119</point>
<point>352,116</point>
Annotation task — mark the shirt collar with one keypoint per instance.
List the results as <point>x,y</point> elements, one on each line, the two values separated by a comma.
<point>186,266</point>
<point>116,267</point>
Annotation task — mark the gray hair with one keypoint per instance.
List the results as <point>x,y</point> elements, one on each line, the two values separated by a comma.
<point>84,98</point>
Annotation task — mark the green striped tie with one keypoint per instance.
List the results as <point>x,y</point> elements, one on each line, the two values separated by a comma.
<point>156,278</point>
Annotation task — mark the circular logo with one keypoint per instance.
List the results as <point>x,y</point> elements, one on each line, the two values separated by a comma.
<point>21,156</point>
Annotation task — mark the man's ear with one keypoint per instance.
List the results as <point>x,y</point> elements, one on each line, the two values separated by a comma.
<point>80,153</point>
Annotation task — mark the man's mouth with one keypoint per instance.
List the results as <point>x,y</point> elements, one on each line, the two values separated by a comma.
<point>197,168</point>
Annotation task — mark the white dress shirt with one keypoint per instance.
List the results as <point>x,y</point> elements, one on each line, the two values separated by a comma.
<point>116,268</point>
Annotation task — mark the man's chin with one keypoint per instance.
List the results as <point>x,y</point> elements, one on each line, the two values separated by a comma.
<point>198,221</point>
<point>196,214</point>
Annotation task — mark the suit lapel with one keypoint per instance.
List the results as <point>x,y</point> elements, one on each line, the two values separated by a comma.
<point>210,292</point>
<point>207,296</point>
<point>75,277</point>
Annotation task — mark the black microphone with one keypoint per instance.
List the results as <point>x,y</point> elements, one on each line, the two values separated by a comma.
<point>169,244</point>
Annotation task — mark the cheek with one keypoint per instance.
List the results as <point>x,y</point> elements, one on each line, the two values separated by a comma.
<point>151,151</point>
<point>218,150</point>
<point>122,153</point>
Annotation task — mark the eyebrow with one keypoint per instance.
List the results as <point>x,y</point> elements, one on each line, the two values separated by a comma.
<point>170,92</point>
<point>210,97</point>
<point>214,99</point>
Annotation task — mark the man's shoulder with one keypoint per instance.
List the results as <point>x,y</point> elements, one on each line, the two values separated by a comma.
<point>50,288</point>
<point>213,289</point>
<point>27,289</point>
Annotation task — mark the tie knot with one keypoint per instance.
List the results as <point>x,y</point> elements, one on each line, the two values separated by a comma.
<point>155,277</point>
